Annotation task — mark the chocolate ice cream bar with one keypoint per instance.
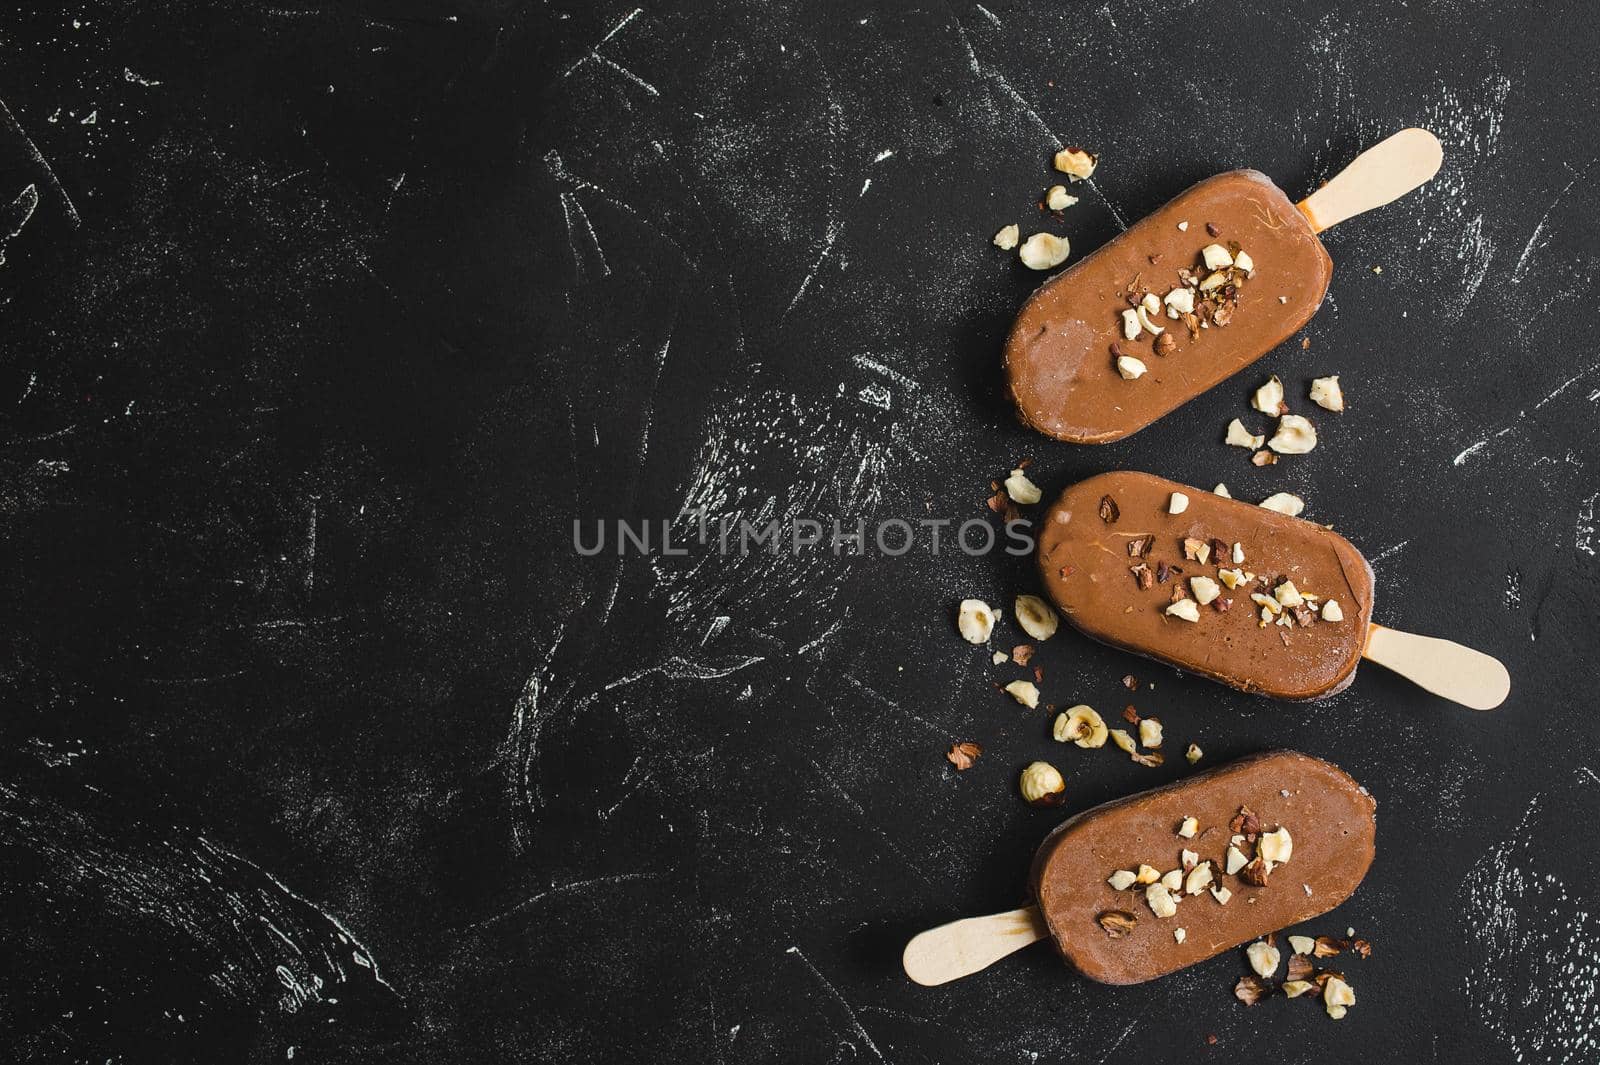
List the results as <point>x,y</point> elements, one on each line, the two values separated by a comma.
<point>1189,295</point>
<point>1143,886</point>
<point>1247,596</point>
<point>1277,839</point>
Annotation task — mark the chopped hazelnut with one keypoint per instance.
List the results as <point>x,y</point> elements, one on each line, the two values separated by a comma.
<point>1076,163</point>
<point>1296,988</point>
<point>1056,198</point>
<point>1081,725</point>
<point>1287,594</point>
<point>1264,958</point>
<point>1172,880</point>
<point>1024,692</point>
<point>999,657</point>
<point>1295,436</point>
<point>1180,301</point>
<point>1222,489</point>
<point>1268,399</point>
<point>1035,617</point>
<point>1130,325</point>
<point>1250,990</point>
<point>1242,261</point>
<point>1179,935</point>
<point>1188,827</point>
<point>1302,944</point>
<point>1150,732</point>
<point>1124,740</point>
<point>1117,923</point>
<point>1159,899</point>
<point>1198,880</point>
<point>1146,321</point>
<point>1236,861</point>
<point>1147,875</point>
<point>1021,489</point>
<point>1337,996</point>
<point>962,755</point>
<point>1196,550</point>
<point>1194,753</point>
<point>1239,436</point>
<point>975,620</point>
<point>1041,785</point>
<point>1331,611</point>
<point>1165,345</point>
<point>1130,368</point>
<point>1285,503</point>
<point>1122,880</point>
<point>1264,458</point>
<point>1204,588</point>
<point>1238,554</point>
<point>1326,393</point>
<point>1186,609</point>
<point>1222,895</point>
<point>1216,257</point>
<point>1188,859</point>
<point>1043,251</point>
<point>1178,503</point>
<point>1276,847</point>
<point>1255,872</point>
<point>1007,237</point>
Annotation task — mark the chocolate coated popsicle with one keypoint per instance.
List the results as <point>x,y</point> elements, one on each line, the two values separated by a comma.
<point>1113,557</point>
<point>1292,804</point>
<point>1132,890</point>
<point>1189,295</point>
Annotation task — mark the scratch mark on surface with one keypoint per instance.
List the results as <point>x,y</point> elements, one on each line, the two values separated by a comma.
<point>855,1022</point>
<point>594,53</point>
<point>9,121</point>
<point>866,819</point>
<point>630,75</point>
<point>990,15</point>
<point>576,886</point>
<point>1392,549</point>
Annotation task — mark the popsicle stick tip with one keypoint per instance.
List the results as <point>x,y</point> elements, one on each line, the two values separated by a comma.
<point>1383,173</point>
<point>963,947</point>
<point>1465,676</point>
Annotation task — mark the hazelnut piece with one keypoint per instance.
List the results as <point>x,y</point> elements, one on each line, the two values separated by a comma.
<point>1239,436</point>
<point>1295,436</point>
<point>1186,609</point>
<point>1043,251</point>
<point>975,620</point>
<point>1024,692</point>
<point>1268,399</point>
<point>1021,489</point>
<point>1035,617</point>
<point>1076,163</point>
<point>1041,785</point>
<point>1285,503</point>
<point>1008,236</point>
<point>1056,198</point>
<point>1130,368</point>
<point>1150,732</point>
<point>1264,958</point>
<point>1194,753</point>
<point>1081,725</point>
<point>1331,611</point>
<point>1326,393</point>
<point>1178,503</point>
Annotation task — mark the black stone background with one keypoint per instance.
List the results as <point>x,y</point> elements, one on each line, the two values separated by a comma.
<point>334,318</point>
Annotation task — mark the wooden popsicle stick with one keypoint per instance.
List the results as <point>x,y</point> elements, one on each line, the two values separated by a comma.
<point>1386,171</point>
<point>1457,673</point>
<point>963,947</point>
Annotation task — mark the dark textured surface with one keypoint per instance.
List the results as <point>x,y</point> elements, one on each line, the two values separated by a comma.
<point>327,325</point>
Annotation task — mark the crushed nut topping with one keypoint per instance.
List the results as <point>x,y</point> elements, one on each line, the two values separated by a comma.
<point>1117,923</point>
<point>1109,511</point>
<point>1007,238</point>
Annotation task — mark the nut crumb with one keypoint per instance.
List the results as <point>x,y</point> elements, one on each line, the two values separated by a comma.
<point>1024,692</point>
<point>962,755</point>
<point>1008,236</point>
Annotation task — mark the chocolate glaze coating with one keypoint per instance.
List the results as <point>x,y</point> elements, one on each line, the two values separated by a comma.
<point>1084,564</point>
<point>1333,824</point>
<point>1058,362</point>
